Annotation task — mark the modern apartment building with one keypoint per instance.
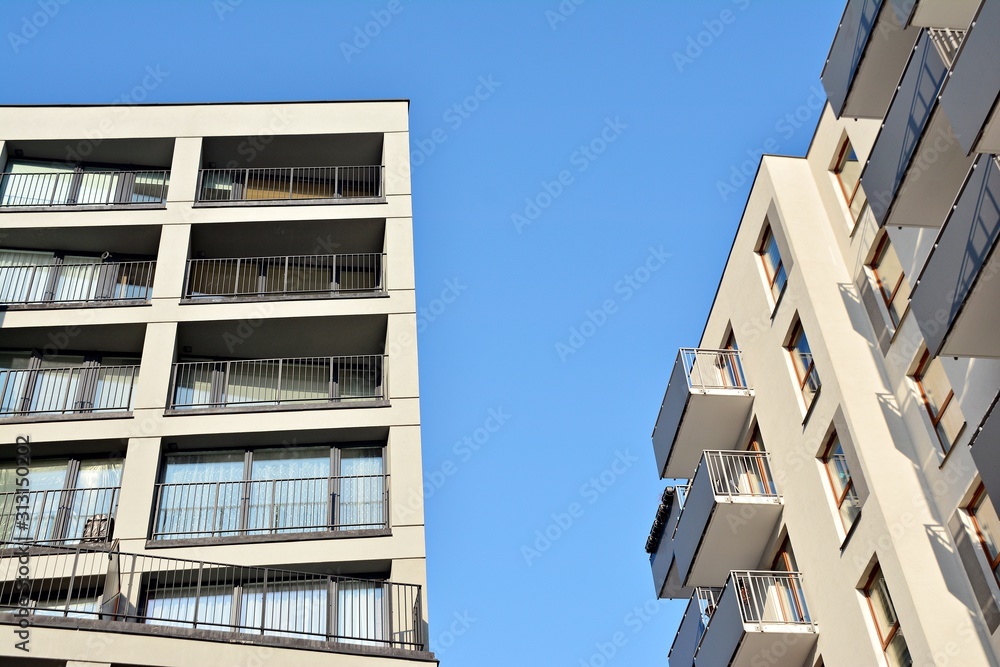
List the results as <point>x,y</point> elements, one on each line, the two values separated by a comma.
<point>209,406</point>
<point>833,442</point>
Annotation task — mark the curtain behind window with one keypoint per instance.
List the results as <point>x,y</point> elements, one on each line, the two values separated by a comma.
<point>362,490</point>
<point>290,490</point>
<point>207,501</point>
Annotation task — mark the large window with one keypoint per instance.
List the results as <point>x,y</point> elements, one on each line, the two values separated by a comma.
<point>802,361</point>
<point>845,496</point>
<point>848,172</point>
<point>37,183</point>
<point>890,279</point>
<point>32,276</point>
<point>271,491</point>
<point>987,525</point>
<point>886,623</point>
<point>67,501</point>
<point>774,269</point>
<point>939,399</point>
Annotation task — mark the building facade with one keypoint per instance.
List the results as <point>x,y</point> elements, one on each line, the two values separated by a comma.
<point>208,387</point>
<point>833,441</point>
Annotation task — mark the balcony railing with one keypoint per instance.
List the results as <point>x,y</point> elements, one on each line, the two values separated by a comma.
<point>87,188</point>
<point>735,474</point>
<point>771,598</point>
<point>713,369</point>
<point>270,507</point>
<point>89,588</point>
<point>77,283</point>
<point>285,276</point>
<point>289,184</point>
<point>68,390</point>
<point>277,382</point>
<point>60,516</point>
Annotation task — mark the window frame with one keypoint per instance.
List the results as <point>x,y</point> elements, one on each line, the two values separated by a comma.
<point>838,169</point>
<point>849,486</point>
<point>866,591</point>
<point>936,419</point>
<point>888,295</point>
<point>970,509</point>
<point>803,376</point>
<point>771,274</point>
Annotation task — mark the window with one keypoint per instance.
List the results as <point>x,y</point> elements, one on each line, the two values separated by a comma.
<point>39,183</point>
<point>774,270</point>
<point>36,384</point>
<point>886,623</point>
<point>890,279</point>
<point>939,399</point>
<point>271,491</point>
<point>987,524</point>
<point>848,172</point>
<point>802,360</point>
<point>68,501</point>
<point>31,276</point>
<point>845,496</point>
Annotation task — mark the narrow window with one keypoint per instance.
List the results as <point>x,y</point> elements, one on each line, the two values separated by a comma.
<point>774,270</point>
<point>845,497</point>
<point>802,360</point>
<point>890,279</point>
<point>939,399</point>
<point>886,623</point>
<point>987,524</point>
<point>848,172</point>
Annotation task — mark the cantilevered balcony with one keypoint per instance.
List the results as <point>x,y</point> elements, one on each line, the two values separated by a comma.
<point>986,451</point>
<point>970,98</point>
<point>282,384</point>
<point>756,618</point>
<point>916,167</point>
<point>866,59</point>
<point>58,516</point>
<point>285,277</point>
<point>956,294</point>
<point>728,514</point>
<point>270,185</point>
<point>954,14</point>
<point>706,405</point>
<point>45,186</point>
<point>75,282</point>
<point>90,589</point>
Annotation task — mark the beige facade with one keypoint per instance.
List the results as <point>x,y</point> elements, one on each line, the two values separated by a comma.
<point>208,350</point>
<point>830,440</point>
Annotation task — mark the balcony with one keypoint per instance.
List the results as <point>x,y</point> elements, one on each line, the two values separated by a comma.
<point>58,516</point>
<point>263,508</point>
<point>915,166</point>
<point>74,390</point>
<point>84,188</point>
<point>262,384</point>
<point>866,58</point>
<point>726,518</point>
<point>756,618</point>
<point>706,405</point>
<point>970,98</point>
<point>955,297</point>
<point>285,277</point>
<point>955,14</point>
<point>94,589</point>
<point>281,185</point>
<point>986,451</point>
<point>77,283</point>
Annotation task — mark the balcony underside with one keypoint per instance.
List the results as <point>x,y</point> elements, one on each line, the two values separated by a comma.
<point>691,421</point>
<point>957,300</point>
<point>955,14</point>
<point>776,645</point>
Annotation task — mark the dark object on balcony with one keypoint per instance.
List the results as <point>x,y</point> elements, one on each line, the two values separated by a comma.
<point>98,528</point>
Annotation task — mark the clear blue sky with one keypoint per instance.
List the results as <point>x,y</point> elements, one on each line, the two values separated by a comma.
<point>623,124</point>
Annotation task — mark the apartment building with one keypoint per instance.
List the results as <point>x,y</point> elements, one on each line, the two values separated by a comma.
<point>209,405</point>
<point>832,443</point>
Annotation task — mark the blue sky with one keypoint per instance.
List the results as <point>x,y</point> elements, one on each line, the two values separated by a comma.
<point>579,169</point>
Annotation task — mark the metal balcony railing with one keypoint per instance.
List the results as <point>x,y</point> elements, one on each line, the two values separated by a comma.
<point>68,390</point>
<point>290,183</point>
<point>274,382</point>
<point>85,283</point>
<point>770,598</point>
<point>269,507</point>
<point>227,602</point>
<point>285,276</point>
<point>947,41</point>
<point>713,369</point>
<point>735,474</point>
<point>84,188</point>
<point>60,516</point>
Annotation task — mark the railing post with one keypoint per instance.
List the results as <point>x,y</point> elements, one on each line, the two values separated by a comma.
<point>197,595</point>
<point>263,604</point>
<point>72,581</point>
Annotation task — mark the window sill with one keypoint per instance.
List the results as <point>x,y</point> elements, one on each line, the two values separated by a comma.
<point>811,407</point>
<point>850,532</point>
<point>175,543</point>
